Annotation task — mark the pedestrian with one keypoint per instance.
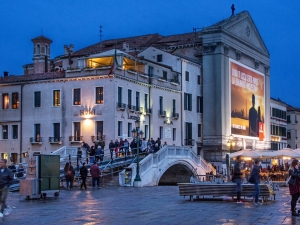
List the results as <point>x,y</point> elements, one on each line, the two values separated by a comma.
<point>111,149</point>
<point>144,146</point>
<point>20,171</point>
<point>92,154</point>
<point>96,174</point>
<point>12,167</point>
<point>83,173</point>
<point>149,146</point>
<point>6,179</point>
<point>87,151</point>
<point>165,144</point>
<point>101,155</point>
<point>126,147</point>
<point>294,185</point>
<point>121,150</point>
<point>79,157</point>
<point>98,153</point>
<point>69,175</point>
<point>153,144</point>
<point>237,178</point>
<point>156,147</point>
<point>255,179</point>
<point>133,146</point>
<point>117,145</point>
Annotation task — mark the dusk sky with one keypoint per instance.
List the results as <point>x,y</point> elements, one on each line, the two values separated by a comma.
<point>77,22</point>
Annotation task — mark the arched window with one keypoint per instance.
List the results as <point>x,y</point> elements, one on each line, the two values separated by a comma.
<point>38,49</point>
<point>46,49</point>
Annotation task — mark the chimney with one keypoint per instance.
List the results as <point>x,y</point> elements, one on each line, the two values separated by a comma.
<point>71,47</point>
<point>66,49</point>
<point>125,47</point>
<point>5,74</point>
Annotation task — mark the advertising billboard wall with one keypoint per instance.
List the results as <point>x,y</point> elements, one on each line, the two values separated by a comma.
<point>247,100</point>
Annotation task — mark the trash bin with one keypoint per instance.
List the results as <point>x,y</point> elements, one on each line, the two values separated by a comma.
<point>127,176</point>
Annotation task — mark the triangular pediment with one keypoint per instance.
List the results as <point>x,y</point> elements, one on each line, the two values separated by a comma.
<point>242,27</point>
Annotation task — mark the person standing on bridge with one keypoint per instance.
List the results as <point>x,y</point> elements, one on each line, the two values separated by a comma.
<point>96,174</point>
<point>111,149</point>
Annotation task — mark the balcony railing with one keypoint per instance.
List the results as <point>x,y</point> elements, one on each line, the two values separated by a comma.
<point>175,116</point>
<point>98,138</point>
<point>189,142</point>
<point>139,110</point>
<point>161,113</point>
<point>55,140</point>
<point>131,108</point>
<point>75,138</point>
<point>147,110</point>
<point>36,140</point>
<point>121,106</point>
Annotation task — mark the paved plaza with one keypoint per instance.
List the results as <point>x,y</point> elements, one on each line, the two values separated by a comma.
<point>144,206</point>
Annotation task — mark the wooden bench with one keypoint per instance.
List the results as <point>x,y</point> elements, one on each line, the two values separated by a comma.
<point>224,189</point>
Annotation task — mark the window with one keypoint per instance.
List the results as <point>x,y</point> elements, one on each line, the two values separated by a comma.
<point>165,75</point>
<point>188,131</point>
<point>150,71</point>
<point>159,58</point>
<point>37,99</point>
<point>137,100</point>
<point>56,132</point>
<point>174,106</point>
<point>198,104</point>
<point>5,101</point>
<point>99,129</point>
<point>187,76</point>
<point>77,134</point>
<point>76,96</point>
<point>288,135</point>
<point>199,130</point>
<point>99,95</point>
<point>15,132</point>
<point>129,130</point>
<point>161,130</point>
<point>129,97</point>
<point>56,98</point>
<point>120,131</point>
<point>37,133</point>
<point>146,132</point>
<point>46,49</point>
<point>161,104</point>
<point>15,100</point>
<point>38,49</point>
<point>187,101</point>
<point>199,80</point>
<point>119,94</point>
<point>174,134</point>
<point>4,131</point>
<point>146,101</point>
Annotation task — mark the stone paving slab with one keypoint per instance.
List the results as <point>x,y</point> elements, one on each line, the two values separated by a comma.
<point>145,206</point>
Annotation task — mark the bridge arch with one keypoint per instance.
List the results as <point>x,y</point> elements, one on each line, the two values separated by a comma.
<point>179,171</point>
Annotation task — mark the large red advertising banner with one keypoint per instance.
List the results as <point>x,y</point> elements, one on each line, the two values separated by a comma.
<point>247,101</point>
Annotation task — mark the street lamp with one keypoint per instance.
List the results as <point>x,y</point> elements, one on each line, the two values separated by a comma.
<point>230,145</point>
<point>137,133</point>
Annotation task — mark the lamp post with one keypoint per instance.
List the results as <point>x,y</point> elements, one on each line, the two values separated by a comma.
<point>137,133</point>
<point>230,145</point>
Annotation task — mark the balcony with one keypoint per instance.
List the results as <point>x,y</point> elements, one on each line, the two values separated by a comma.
<point>96,139</point>
<point>189,142</point>
<point>161,113</point>
<point>121,106</point>
<point>175,116</point>
<point>147,111</point>
<point>36,140</point>
<point>139,110</point>
<point>75,139</point>
<point>55,140</point>
<point>131,108</point>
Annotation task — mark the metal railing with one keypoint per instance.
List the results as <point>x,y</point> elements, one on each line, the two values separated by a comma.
<point>36,139</point>
<point>147,110</point>
<point>175,115</point>
<point>121,105</point>
<point>55,139</point>
<point>131,107</point>
<point>98,138</point>
<point>189,142</point>
<point>161,113</point>
<point>75,138</point>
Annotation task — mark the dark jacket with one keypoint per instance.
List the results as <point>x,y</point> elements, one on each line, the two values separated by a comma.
<point>83,171</point>
<point>111,145</point>
<point>6,178</point>
<point>255,177</point>
<point>117,144</point>
<point>237,173</point>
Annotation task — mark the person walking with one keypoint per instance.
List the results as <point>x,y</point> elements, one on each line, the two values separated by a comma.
<point>69,175</point>
<point>83,173</point>
<point>294,185</point>
<point>237,178</point>
<point>96,174</point>
<point>98,153</point>
<point>6,179</point>
<point>92,154</point>
<point>255,179</point>
<point>111,149</point>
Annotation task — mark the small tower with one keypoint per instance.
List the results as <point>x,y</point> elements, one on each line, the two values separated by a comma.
<point>41,54</point>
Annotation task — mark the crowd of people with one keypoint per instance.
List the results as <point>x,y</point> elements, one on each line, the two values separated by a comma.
<point>120,148</point>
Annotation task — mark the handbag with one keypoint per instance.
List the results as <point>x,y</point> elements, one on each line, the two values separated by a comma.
<point>291,180</point>
<point>288,179</point>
